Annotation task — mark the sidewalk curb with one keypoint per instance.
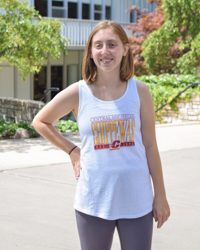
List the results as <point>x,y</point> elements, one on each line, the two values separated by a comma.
<point>177,124</point>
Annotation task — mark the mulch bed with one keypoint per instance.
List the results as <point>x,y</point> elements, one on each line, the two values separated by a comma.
<point>7,137</point>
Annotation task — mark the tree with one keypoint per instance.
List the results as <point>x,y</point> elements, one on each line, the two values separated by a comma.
<point>27,39</point>
<point>146,24</point>
<point>179,35</point>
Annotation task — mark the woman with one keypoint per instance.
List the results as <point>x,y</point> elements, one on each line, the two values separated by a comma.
<point>115,115</point>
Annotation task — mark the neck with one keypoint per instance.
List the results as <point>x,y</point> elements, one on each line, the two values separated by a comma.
<point>108,79</point>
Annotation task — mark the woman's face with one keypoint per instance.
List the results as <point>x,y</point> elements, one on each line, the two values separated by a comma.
<point>107,51</point>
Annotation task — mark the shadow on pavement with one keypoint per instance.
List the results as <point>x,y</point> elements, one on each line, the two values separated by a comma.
<point>24,145</point>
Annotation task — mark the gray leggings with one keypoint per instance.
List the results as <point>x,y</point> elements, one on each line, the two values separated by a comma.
<point>97,234</point>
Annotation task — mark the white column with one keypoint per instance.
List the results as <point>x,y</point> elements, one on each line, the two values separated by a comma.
<point>103,10</point>
<point>48,79</point>
<point>146,5</point>
<point>31,86</point>
<point>128,13</point>
<point>79,65</point>
<point>66,8</point>
<point>113,10</point>
<point>140,4</point>
<point>15,83</point>
<point>49,8</point>
<point>79,9</point>
<point>92,10</point>
<point>64,83</point>
<point>121,10</point>
<point>32,4</point>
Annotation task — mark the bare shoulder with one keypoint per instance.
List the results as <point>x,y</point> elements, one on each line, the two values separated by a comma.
<point>64,102</point>
<point>141,87</point>
<point>143,92</point>
<point>68,97</point>
<point>71,91</point>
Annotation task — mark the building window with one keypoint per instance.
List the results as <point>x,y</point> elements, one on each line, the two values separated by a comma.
<point>56,78</point>
<point>97,9</point>
<point>40,83</point>
<point>58,8</point>
<point>85,11</point>
<point>72,10</point>
<point>41,6</point>
<point>58,3</point>
<point>133,17</point>
<point>97,12</point>
<point>108,12</point>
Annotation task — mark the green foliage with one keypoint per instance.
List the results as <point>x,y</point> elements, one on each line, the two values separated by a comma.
<point>67,126</point>
<point>9,128</point>
<point>165,87</point>
<point>27,39</point>
<point>189,61</point>
<point>180,33</point>
<point>146,24</point>
<point>175,81</point>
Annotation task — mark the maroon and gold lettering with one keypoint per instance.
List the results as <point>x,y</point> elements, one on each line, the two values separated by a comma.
<point>107,128</point>
<point>122,130</point>
<point>113,131</point>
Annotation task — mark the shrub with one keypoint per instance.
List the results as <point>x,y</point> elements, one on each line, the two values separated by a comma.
<point>9,128</point>
<point>165,87</point>
<point>67,126</point>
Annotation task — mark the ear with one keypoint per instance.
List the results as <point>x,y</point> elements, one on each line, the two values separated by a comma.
<point>126,49</point>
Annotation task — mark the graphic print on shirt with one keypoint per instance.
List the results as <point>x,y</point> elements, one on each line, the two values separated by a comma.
<point>113,131</point>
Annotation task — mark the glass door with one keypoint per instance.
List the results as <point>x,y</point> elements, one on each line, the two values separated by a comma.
<point>56,78</point>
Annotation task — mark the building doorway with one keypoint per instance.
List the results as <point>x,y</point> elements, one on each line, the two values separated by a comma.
<point>40,83</point>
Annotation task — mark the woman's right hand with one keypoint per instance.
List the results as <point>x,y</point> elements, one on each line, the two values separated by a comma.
<point>75,159</point>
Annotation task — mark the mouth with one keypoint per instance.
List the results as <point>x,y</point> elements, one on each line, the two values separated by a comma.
<point>106,60</point>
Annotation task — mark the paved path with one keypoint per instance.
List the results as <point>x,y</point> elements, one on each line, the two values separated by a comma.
<point>37,188</point>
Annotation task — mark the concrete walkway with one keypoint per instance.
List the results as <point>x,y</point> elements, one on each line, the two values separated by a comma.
<point>37,188</point>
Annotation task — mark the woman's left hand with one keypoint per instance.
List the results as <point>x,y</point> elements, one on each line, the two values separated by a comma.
<point>161,210</point>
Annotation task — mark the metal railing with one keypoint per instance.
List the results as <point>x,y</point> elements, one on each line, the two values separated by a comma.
<point>78,30</point>
<point>195,83</point>
<point>47,91</point>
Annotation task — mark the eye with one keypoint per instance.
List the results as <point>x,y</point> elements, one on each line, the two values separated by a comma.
<point>97,45</point>
<point>111,45</point>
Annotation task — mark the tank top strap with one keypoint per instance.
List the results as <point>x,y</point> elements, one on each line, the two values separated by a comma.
<point>84,96</point>
<point>133,92</point>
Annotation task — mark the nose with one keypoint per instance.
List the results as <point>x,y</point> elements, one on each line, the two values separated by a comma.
<point>104,50</point>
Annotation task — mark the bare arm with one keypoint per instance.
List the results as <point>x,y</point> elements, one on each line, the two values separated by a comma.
<point>63,103</point>
<point>161,208</point>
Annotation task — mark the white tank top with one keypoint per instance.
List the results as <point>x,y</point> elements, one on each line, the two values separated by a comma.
<point>114,180</point>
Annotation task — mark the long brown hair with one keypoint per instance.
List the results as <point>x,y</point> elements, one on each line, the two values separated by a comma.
<point>89,69</point>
